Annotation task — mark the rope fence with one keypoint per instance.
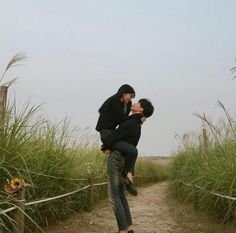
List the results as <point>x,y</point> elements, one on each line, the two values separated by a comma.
<point>56,197</point>
<point>7,210</point>
<point>213,193</point>
<point>53,177</point>
<point>51,198</point>
<point>20,204</point>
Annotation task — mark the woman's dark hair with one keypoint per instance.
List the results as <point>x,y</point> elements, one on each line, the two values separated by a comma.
<point>124,89</point>
<point>147,106</point>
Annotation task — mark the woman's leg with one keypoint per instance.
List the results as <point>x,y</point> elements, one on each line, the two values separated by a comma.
<point>104,134</point>
<point>130,152</point>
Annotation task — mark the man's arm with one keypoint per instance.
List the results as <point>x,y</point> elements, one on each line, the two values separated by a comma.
<point>124,131</point>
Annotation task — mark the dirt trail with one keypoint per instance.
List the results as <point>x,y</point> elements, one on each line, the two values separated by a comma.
<point>153,211</point>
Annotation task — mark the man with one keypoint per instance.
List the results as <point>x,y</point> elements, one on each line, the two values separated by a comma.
<point>113,111</point>
<point>128,131</point>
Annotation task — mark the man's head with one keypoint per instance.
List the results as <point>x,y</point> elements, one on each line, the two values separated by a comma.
<point>126,93</point>
<point>144,107</point>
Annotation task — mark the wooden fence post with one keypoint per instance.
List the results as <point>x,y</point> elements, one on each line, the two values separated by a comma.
<point>19,223</point>
<point>205,143</point>
<point>3,100</point>
<point>90,194</point>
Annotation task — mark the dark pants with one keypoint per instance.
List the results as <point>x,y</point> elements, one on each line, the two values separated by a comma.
<point>115,186</point>
<point>129,151</point>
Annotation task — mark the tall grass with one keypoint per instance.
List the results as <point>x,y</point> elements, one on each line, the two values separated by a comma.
<point>47,155</point>
<point>214,173</point>
<point>147,168</point>
<point>54,157</point>
<point>15,61</point>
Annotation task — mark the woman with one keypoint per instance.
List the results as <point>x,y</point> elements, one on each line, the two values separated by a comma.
<point>113,111</point>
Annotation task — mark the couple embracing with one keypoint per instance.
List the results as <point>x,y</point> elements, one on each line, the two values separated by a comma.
<point>120,132</point>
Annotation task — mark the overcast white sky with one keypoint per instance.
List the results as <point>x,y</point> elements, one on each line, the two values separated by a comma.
<point>177,53</point>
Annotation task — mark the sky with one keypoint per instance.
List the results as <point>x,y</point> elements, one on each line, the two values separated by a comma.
<point>176,53</point>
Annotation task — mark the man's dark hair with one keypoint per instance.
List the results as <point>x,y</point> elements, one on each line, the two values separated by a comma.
<point>147,106</point>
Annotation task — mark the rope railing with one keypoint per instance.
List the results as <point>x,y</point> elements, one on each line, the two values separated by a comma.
<point>51,176</point>
<point>51,198</point>
<point>100,184</point>
<point>45,200</point>
<point>62,195</point>
<point>7,210</point>
<point>56,197</point>
<point>207,191</point>
<point>20,204</point>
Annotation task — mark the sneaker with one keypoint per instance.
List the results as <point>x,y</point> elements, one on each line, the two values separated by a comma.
<point>130,186</point>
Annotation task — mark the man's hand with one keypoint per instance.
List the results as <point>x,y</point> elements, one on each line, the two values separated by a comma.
<point>143,119</point>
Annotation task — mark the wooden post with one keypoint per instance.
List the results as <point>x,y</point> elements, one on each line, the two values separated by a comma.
<point>3,100</point>
<point>19,224</point>
<point>90,194</point>
<point>205,143</point>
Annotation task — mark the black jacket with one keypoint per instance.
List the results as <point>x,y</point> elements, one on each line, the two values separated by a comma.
<point>112,113</point>
<point>129,131</point>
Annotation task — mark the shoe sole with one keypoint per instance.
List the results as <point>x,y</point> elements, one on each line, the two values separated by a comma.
<point>130,187</point>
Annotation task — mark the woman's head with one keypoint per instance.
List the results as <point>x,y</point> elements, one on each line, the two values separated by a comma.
<point>126,93</point>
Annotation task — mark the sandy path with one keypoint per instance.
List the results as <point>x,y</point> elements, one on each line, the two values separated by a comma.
<point>153,211</point>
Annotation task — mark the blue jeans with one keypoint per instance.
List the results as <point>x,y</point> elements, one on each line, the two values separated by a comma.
<point>115,187</point>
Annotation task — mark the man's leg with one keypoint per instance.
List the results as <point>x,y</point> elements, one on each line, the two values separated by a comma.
<point>115,174</point>
<point>126,206</point>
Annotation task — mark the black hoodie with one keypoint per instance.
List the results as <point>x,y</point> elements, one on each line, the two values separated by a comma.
<point>129,131</point>
<point>113,111</point>
<point>113,114</point>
